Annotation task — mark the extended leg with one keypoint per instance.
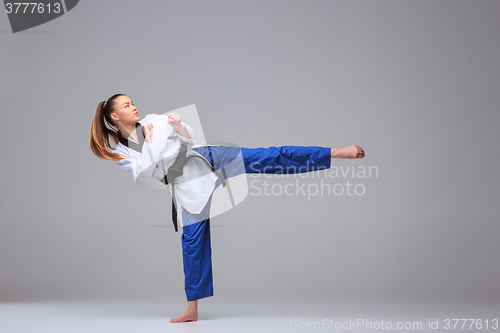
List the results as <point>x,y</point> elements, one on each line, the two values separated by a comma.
<point>286,159</point>
<point>232,161</point>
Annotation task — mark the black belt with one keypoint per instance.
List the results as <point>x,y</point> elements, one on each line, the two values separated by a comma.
<point>176,170</point>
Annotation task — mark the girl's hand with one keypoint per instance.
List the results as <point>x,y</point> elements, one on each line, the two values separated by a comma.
<point>174,120</point>
<point>148,131</point>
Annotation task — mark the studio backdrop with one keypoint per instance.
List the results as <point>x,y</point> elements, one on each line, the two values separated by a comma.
<point>414,83</point>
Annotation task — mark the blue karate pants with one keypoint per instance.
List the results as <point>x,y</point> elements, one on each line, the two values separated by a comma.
<point>196,249</point>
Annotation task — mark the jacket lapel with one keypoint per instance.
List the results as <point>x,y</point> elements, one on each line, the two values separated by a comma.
<point>132,144</point>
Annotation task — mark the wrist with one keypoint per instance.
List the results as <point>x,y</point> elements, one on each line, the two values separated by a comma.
<point>178,128</point>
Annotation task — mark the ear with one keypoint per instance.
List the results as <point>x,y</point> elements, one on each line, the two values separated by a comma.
<point>114,116</point>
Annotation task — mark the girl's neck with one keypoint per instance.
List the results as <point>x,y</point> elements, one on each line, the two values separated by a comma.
<point>129,130</point>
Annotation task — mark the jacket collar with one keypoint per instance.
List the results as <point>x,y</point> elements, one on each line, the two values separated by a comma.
<point>132,144</point>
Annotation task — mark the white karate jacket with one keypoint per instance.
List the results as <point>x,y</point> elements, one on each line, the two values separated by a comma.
<point>193,187</point>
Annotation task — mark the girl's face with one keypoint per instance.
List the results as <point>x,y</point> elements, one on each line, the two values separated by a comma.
<point>124,112</point>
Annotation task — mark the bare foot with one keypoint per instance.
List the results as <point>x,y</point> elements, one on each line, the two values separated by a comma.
<point>188,315</point>
<point>191,313</point>
<point>350,152</point>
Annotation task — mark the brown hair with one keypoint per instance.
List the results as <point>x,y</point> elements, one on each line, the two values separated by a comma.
<point>100,133</point>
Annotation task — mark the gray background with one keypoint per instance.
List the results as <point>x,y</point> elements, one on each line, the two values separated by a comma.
<point>415,83</point>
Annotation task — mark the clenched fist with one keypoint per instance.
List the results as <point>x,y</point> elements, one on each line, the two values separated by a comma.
<point>174,120</point>
<point>148,131</point>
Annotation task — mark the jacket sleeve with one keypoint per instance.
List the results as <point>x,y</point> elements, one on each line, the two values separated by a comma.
<point>142,168</point>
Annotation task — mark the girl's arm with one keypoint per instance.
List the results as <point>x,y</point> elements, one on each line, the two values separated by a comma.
<point>183,131</point>
<point>185,134</point>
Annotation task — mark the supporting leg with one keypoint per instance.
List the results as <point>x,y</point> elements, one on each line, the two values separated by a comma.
<point>197,261</point>
<point>197,254</point>
<point>196,247</point>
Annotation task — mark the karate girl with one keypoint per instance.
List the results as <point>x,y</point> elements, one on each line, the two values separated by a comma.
<point>161,148</point>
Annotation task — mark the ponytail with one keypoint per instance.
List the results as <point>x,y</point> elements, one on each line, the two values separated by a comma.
<point>100,133</point>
